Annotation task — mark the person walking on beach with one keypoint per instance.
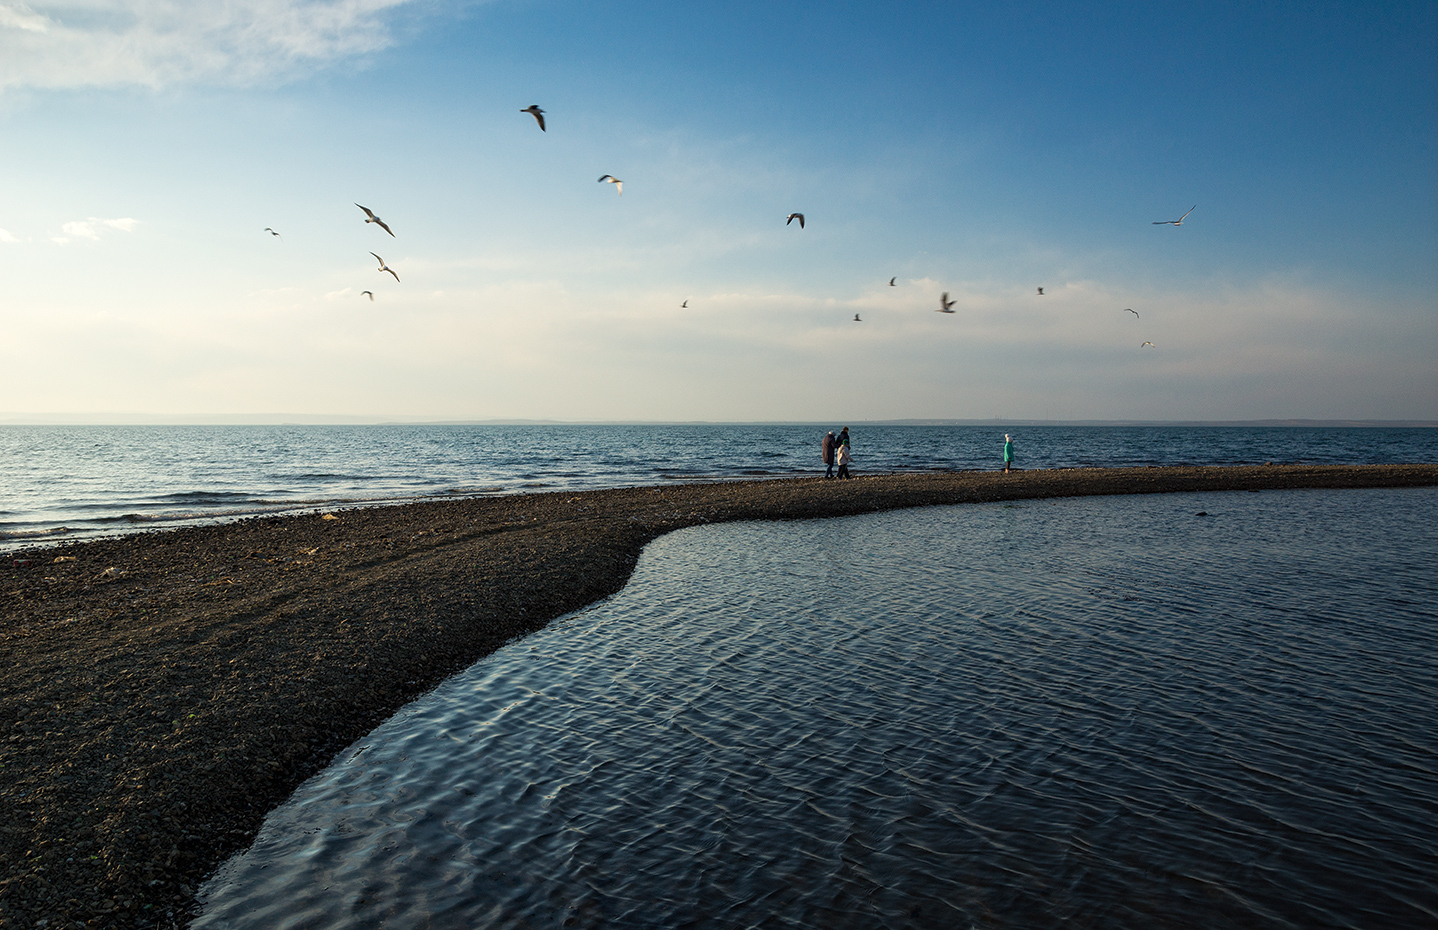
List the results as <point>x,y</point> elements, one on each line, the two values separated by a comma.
<point>842,452</point>
<point>828,447</point>
<point>1008,451</point>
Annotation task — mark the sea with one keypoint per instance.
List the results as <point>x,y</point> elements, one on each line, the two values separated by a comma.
<point>1183,710</point>
<point>63,483</point>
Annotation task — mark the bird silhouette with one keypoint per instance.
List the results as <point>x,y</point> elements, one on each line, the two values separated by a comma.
<point>1133,311</point>
<point>538,114</point>
<point>795,216</point>
<point>684,305</point>
<point>1177,222</point>
<point>1150,345</point>
<point>272,232</point>
<point>371,218</point>
<point>891,281</point>
<point>618,184</point>
<point>1041,292</point>
<point>856,318</point>
<point>371,293</point>
<point>945,304</point>
<point>384,267</point>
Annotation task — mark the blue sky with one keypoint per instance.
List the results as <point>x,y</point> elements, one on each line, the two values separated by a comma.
<point>958,147</point>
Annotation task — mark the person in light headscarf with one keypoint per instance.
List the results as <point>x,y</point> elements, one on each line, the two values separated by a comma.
<point>1008,451</point>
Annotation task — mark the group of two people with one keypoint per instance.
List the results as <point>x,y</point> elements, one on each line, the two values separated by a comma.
<point>836,451</point>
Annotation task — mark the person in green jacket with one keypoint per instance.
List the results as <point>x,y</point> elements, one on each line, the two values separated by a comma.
<point>1008,451</point>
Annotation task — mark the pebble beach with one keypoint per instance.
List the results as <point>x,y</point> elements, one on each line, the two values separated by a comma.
<point>163,691</point>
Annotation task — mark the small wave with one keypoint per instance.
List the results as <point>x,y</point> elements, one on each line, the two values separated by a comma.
<point>40,533</point>
<point>201,497</point>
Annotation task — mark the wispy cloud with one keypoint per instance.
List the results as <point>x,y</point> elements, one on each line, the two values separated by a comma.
<point>157,43</point>
<point>20,16</point>
<point>93,227</point>
<point>5,236</point>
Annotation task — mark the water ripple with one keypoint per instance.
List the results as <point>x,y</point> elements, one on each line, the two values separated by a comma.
<point>1095,713</point>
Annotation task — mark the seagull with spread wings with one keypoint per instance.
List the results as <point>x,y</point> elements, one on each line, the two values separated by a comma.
<point>384,267</point>
<point>1177,222</point>
<point>945,304</point>
<point>272,232</point>
<point>1133,311</point>
<point>892,280</point>
<point>371,218</point>
<point>370,293</point>
<point>795,216</point>
<point>1150,345</point>
<point>618,184</point>
<point>538,114</point>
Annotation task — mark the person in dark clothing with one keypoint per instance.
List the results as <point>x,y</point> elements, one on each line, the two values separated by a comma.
<point>828,449</point>
<point>842,453</point>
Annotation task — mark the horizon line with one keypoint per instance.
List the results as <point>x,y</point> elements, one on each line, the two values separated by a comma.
<point>278,419</point>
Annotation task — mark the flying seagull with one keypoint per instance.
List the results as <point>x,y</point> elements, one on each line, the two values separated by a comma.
<point>1134,312</point>
<point>384,267</point>
<point>1150,345</point>
<point>371,218</point>
<point>684,306</point>
<point>371,293</point>
<point>618,184</point>
<point>891,281</point>
<point>1177,222</point>
<point>534,111</point>
<point>1041,292</point>
<point>856,318</point>
<point>272,232</point>
<point>795,216</point>
<point>945,304</point>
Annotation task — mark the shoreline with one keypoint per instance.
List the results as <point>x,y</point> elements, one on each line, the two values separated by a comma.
<point>163,691</point>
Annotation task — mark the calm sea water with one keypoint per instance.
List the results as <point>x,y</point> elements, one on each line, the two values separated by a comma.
<point>1195,711</point>
<point>69,482</point>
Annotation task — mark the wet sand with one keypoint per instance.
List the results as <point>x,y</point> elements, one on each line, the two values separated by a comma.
<point>160,692</point>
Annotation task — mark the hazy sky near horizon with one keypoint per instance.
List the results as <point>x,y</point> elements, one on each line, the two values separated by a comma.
<point>981,149</point>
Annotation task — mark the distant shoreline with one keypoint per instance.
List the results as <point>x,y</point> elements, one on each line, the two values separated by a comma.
<point>161,692</point>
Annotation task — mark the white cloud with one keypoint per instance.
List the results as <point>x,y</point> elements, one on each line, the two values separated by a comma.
<point>6,237</point>
<point>155,43</point>
<point>91,228</point>
<point>20,16</point>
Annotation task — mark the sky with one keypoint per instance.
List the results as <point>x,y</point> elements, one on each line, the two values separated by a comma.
<point>970,148</point>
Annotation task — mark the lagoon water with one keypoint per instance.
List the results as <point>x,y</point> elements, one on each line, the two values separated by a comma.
<point>1184,710</point>
<point>60,483</point>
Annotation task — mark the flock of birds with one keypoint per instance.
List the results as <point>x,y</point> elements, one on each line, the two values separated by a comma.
<point>945,304</point>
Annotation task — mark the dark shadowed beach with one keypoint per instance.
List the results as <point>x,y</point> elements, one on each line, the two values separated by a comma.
<point>163,691</point>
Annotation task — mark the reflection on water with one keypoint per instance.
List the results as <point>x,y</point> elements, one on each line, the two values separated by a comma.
<point>1096,713</point>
